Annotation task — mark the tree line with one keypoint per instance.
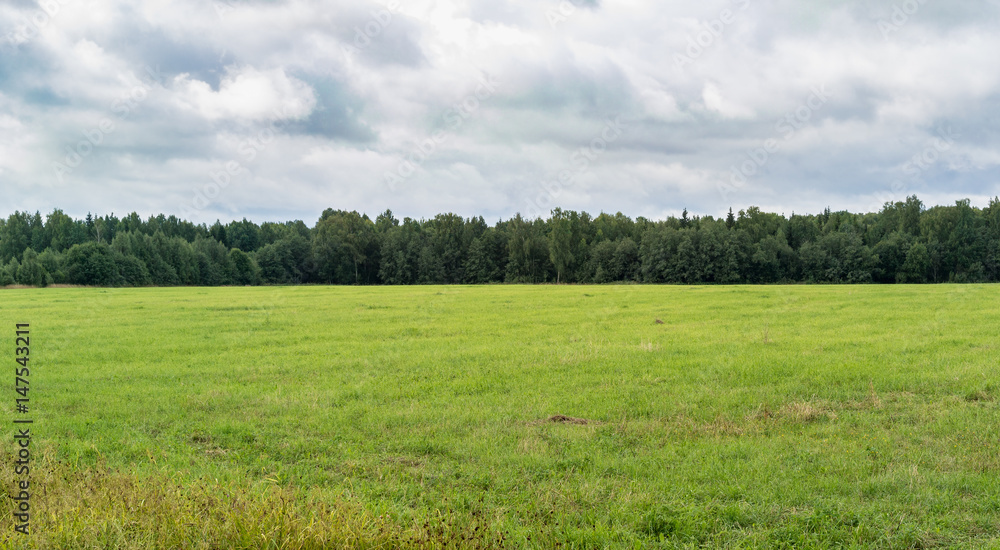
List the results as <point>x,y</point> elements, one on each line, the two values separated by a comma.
<point>905,242</point>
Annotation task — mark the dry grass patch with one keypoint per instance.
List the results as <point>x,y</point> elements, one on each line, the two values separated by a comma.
<point>802,411</point>
<point>685,426</point>
<point>101,508</point>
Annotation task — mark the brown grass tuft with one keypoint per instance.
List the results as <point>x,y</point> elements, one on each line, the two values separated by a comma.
<point>872,396</point>
<point>801,411</point>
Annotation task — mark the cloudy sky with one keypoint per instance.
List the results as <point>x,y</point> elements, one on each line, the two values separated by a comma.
<point>275,110</point>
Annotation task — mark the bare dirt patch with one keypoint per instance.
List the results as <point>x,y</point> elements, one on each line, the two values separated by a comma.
<point>563,419</point>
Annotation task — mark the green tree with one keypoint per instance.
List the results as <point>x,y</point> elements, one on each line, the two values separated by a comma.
<point>772,260</point>
<point>891,252</point>
<point>486,258</point>
<point>658,254</point>
<point>966,244</point>
<point>284,261</point>
<point>63,232</point>
<point>245,270</point>
<point>815,261</point>
<point>345,248</point>
<point>430,266</point>
<point>178,254</point>
<point>910,216</point>
<point>614,228</point>
<point>214,264</point>
<point>916,265</point>
<point>801,229</point>
<point>400,253</point>
<point>527,250</point>
<point>8,272</point>
<point>218,232</point>
<point>385,222</point>
<point>52,262</point>
<point>244,235</point>
<point>132,270</point>
<point>626,260</point>
<point>15,236</point>
<point>602,259</point>
<point>31,272</point>
<point>560,242</point>
<point>445,237</point>
<point>93,264</point>
<point>272,269</point>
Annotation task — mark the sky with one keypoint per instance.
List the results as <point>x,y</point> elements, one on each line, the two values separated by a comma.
<point>277,110</point>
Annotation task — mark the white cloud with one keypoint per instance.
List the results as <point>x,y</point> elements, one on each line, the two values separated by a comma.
<point>726,107</point>
<point>247,94</point>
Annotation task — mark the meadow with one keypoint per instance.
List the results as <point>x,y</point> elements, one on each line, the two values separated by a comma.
<point>509,416</point>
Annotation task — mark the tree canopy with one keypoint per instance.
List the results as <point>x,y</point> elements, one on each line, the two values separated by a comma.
<point>905,242</point>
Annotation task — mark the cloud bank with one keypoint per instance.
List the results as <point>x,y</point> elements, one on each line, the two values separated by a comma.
<point>275,110</point>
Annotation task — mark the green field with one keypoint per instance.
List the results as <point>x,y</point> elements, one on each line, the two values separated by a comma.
<point>425,417</point>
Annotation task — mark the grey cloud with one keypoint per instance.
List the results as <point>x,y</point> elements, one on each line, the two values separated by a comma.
<point>44,97</point>
<point>150,47</point>
<point>378,34</point>
<point>561,99</point>
<point>27,63</point>
<point>337,113</point>
<point>558,87</point>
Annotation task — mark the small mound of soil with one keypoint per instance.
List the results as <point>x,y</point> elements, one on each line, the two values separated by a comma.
<point>563,419</point>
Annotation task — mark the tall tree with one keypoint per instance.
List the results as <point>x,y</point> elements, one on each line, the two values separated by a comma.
<point>245,270</point>
<point>560,241</point>
<point>345,243</point>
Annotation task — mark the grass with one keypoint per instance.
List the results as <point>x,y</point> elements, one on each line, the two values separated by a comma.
<point>509,416</point>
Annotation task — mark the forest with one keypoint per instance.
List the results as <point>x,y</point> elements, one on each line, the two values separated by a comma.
<point>905,242</point>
